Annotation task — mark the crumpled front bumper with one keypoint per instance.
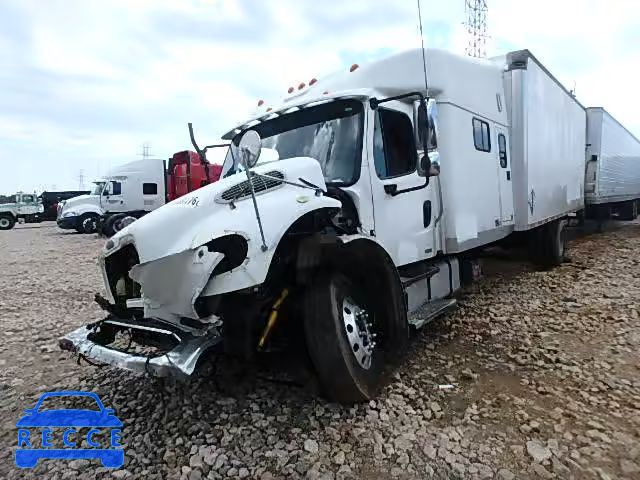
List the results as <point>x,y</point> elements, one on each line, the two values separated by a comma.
<point>92,341</point>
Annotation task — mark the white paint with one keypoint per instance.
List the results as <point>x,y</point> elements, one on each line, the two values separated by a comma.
<point>615,175</point>
<point>131,177</point>
<point>548,137</point>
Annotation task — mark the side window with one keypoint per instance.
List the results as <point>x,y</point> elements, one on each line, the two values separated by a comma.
<point>394,152</point>
<point>502,150</point>
<point>481,135</point>
<point>149,188</point>
<point>116,188</point>
<point>27,199</point>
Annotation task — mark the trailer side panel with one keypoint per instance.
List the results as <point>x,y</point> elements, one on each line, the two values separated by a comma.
<point>548,143</point>
<point>613,158</point>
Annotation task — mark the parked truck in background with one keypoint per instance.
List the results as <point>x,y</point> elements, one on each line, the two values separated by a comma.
<point>134,189</point>
<point>26,207</point>
<point>612,183</point>
<point>383,187</point>
<point>50,201</point>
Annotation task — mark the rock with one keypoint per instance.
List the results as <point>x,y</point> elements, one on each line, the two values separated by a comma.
<point>430,451</point>
<point>195,461</point>
<point>121,474</point>
<point>560,469</point>
<point>468,374</point>
<point>311,446</point>
<point>339,458</point>
<point>541,471</point>
<point>232,472</point>
<point>435,407</point>
<point>195,474</point>
<point>504,474</point>
<point>403,459</point>
<point>243,472</point>
<point>538,451</point>
<point>628,467</point>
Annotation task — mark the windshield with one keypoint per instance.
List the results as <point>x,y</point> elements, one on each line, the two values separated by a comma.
<point>97,190</point>
<point>331,133</point>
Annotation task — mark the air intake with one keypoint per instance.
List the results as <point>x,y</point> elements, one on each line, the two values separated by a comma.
<point>242,190</point>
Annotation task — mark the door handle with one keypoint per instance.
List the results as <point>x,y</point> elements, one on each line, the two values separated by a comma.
<point>508,175</point>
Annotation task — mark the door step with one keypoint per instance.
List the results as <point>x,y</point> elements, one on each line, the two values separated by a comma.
<point>430,272</point>
<point>430,311</point>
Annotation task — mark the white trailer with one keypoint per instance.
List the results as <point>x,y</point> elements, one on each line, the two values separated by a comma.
<point>365,223</point>
<point>612,177</point>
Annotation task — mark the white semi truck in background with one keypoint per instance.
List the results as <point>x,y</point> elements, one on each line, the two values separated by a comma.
<point>134,189</point>
<point>384,186</point>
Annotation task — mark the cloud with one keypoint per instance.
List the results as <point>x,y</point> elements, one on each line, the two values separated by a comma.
<point>84,84</point>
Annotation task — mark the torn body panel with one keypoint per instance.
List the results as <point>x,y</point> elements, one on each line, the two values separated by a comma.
<point>171,285</point>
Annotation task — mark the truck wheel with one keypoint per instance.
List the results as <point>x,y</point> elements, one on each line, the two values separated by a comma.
<point>342,330</point>
<point>550,243</point>
<point>107,226</point>
<point>628,211</point>
<point>87,223</point>
<point>121,221</point>
<point>7,222</point>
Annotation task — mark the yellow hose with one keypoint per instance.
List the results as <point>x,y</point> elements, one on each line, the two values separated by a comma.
<point>273,317</point>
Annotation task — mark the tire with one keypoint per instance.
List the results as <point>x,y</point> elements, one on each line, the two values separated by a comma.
<point>88,223</point>
<point>330,307</point>
<point>7,221</point>
<point>549,243</point>
<point>628,211</point>
<point>122,221</point>
<point>107,226</point>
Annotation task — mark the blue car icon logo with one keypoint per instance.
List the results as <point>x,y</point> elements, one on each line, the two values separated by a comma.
<point>29,451</point>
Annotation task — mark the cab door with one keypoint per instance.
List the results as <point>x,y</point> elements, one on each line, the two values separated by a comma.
<point>404,222</point>
<point>112,197</point>
<point>505,182</point>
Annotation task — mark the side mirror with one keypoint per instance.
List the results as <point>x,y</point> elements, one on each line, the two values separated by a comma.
<point>420,119</point>
<point>250,147</point>
<point>434,164</point>
<point>425,165</point>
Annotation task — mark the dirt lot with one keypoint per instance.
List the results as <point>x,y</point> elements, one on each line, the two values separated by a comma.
<point>546,367</point>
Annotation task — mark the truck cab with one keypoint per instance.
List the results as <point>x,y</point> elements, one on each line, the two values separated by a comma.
<point>133,188</point>
<point>27,207</point>
<point>360,226</point>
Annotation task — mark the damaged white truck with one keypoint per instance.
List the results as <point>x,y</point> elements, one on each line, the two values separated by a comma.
<point>374,192</point>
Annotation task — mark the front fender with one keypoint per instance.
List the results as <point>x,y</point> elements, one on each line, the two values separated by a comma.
<point>276,222</point>
<point>87,208</point>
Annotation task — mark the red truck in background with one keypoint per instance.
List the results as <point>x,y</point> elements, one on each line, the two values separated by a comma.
<point>186,173</point>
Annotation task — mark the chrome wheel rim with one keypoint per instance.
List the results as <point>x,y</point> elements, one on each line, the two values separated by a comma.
<point>360,335</point>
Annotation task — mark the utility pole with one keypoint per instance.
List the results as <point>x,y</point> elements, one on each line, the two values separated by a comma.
<point>476,24</point>
<point>146,146</point>
<point>81,180</point>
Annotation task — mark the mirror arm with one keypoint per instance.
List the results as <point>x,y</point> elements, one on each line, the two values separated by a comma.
<point>374,103</point>
<point>392,189</point>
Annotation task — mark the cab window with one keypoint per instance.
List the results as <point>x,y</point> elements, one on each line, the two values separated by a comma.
<point>113,188</point>
<point>394,152</point>
<point>27,199</point>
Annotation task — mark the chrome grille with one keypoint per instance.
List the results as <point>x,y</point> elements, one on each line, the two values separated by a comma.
<point>260,184</point>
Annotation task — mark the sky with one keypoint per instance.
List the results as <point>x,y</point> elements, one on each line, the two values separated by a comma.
<point>84,84</point>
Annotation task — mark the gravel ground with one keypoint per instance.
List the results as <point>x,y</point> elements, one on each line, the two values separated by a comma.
<point>546,369</point>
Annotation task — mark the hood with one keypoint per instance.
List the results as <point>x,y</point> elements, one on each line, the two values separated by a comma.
<point>81,200</point>
<point>205,214</point>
